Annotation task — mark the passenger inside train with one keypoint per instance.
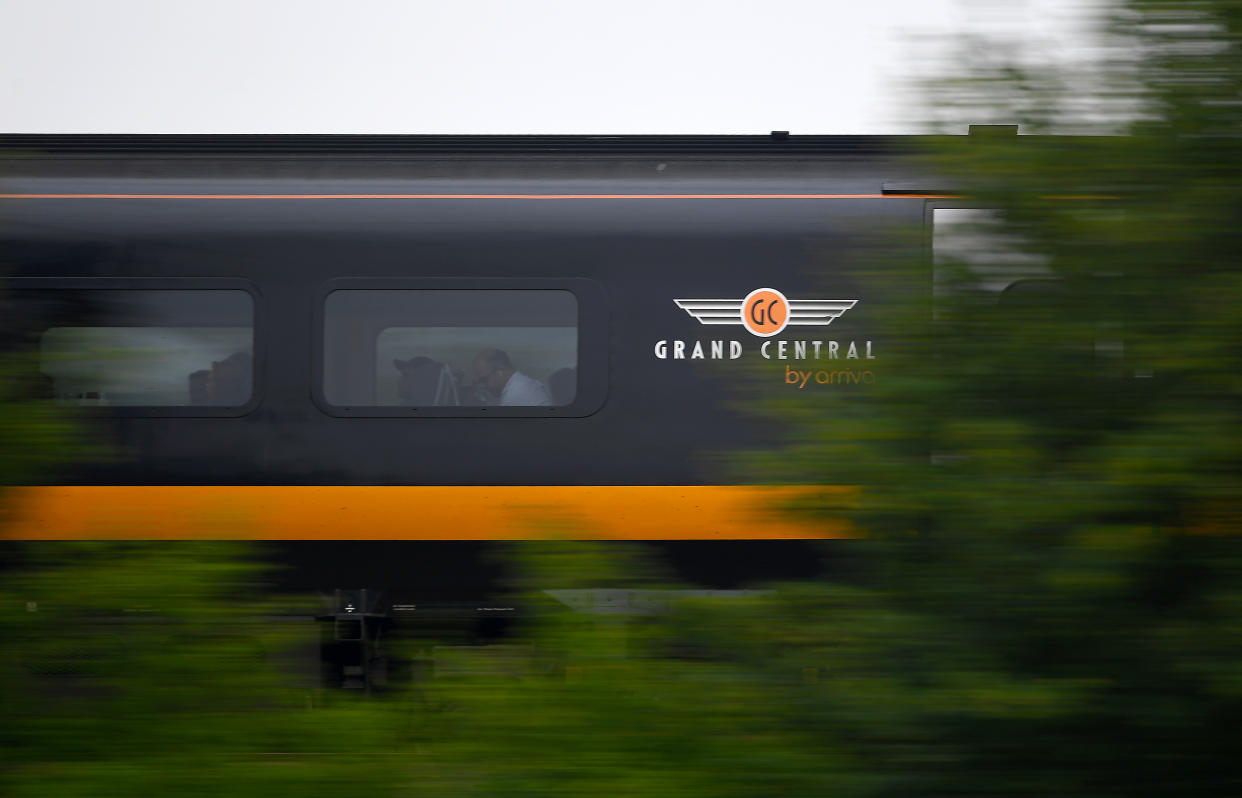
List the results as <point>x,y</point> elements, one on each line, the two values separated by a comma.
<point>427,382</point>
<point>424,381</point>
<point>495,371</point>
<point>429,347</point>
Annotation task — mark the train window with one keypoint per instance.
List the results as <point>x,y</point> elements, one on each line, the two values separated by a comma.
<point>970,247</point>
<point>140,348</point>
<point>443,348</point>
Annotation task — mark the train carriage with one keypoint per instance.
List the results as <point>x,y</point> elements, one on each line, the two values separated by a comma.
<point>321,339</point>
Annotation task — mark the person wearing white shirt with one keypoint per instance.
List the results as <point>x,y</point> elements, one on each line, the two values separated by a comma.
<point>495,371</point>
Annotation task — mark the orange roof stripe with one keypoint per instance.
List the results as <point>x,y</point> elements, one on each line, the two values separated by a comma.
<point>474,196</point>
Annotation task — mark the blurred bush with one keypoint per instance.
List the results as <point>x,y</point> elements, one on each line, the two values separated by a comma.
<point>132,668</point>
<point>1053,474</point>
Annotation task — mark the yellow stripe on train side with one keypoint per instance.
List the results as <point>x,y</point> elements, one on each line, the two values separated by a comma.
<point>304,512</point>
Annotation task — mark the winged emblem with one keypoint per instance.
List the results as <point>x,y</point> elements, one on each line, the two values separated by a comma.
<point>809,312</point>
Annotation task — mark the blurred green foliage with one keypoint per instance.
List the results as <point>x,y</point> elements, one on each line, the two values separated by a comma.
<point>1053,476</point>
<point>1053,583</point>
<point>134,668</point>
<point>35,437</point>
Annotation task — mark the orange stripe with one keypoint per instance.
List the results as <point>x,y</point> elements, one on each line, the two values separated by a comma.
<point>524,196</point>
<point>474,196</point>
<point>641,512</point>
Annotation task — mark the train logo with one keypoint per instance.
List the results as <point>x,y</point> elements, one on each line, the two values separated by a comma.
<point>765,311</point>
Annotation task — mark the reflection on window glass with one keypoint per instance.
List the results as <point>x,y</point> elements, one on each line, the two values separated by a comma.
<point>976,243</point>
<point>410,348</point>
<point>148,365</point>
<point>142,348</point>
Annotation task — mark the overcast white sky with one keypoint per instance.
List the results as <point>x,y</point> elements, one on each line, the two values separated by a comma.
<point>488,66</point>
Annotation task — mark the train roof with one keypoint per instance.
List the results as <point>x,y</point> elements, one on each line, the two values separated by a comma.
<point>866,160</point>
<point>775,143</point>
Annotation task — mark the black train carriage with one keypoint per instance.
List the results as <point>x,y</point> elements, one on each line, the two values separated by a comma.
<point>323,333</point>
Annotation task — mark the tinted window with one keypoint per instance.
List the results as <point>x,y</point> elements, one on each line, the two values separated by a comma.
<point>145,348</point>
<point>972,245</point>
<point>445,348</point>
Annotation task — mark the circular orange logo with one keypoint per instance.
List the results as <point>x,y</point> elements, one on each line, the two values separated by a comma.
<point>765,312</point>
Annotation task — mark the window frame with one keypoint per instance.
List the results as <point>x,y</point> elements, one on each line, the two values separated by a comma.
<point>1121,365</point>
<point>929,232</point>
<point>593,345</point>
<point>15,285</point>
<point>930,206</point>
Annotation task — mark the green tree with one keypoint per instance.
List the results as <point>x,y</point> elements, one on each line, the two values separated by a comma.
<point>1051,480</point>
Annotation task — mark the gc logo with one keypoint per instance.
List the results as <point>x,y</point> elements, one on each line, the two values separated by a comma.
<point>765,312</point>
